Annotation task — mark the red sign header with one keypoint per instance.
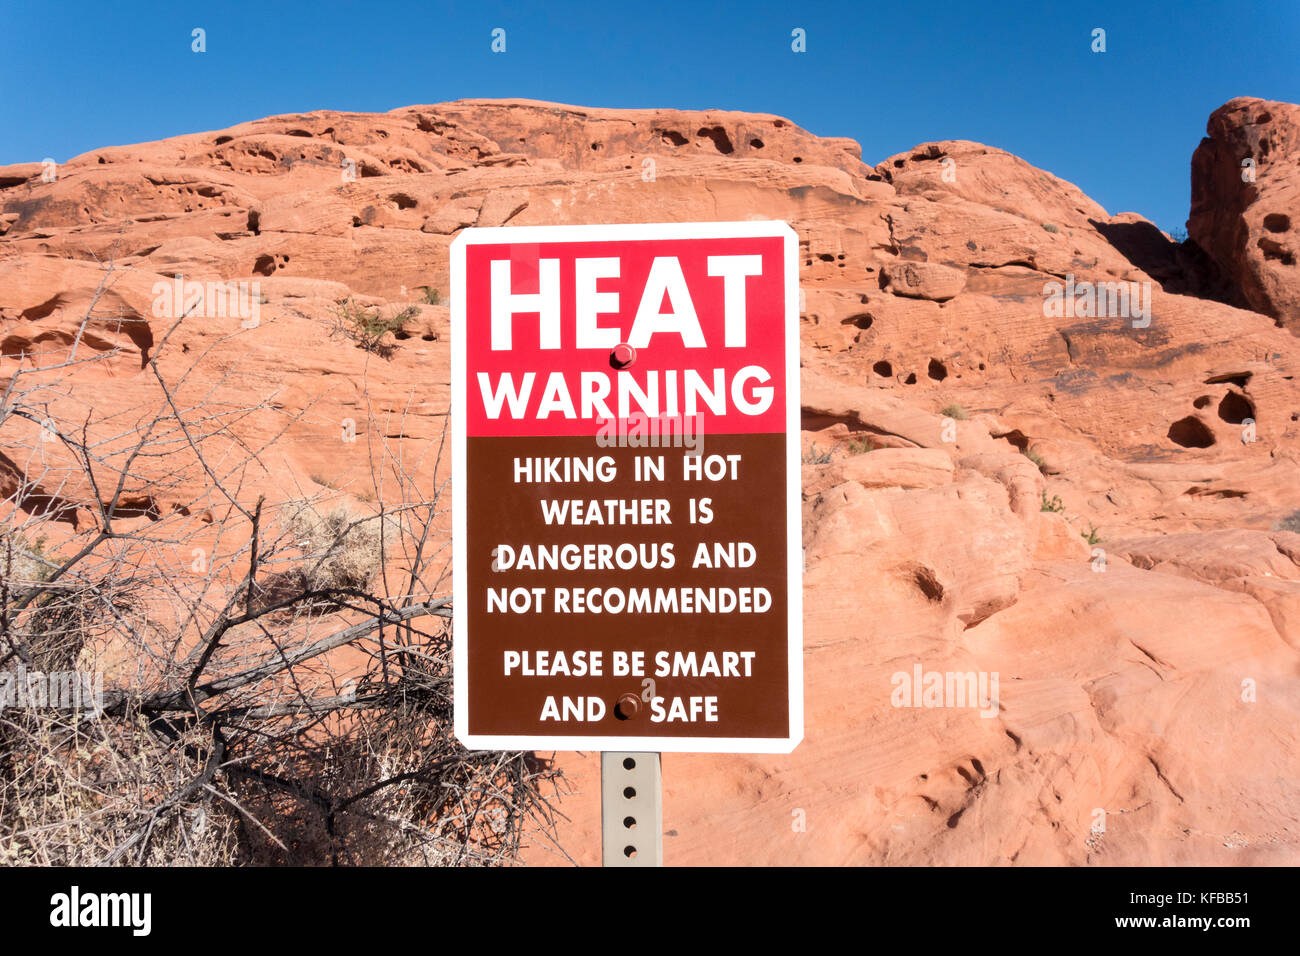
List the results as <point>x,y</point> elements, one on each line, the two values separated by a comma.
<point>705,318</point>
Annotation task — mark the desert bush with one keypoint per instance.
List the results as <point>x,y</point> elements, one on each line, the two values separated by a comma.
<point>368,327</point>
<point>75,790</point>
<point>342,549</point>
<point>429,295</point>
<point>1052,504</point>
<point>273,675</point>
<point>814,457</point>
<point>956,412</point>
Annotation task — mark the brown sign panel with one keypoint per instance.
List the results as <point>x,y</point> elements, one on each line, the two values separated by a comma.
<point>627,555</point>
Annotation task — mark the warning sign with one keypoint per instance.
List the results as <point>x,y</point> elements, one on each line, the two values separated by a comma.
<point>627,554</point>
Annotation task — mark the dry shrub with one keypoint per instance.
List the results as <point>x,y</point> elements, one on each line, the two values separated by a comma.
<point>337,550</point>
<point>73,789</point>
<point>288,700</point>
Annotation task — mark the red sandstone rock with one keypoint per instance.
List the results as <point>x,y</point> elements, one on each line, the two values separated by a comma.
<point>923,280</point>
<point>1246,202</point>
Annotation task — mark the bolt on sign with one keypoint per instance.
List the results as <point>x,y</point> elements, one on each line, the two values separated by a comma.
<point>627,549</point>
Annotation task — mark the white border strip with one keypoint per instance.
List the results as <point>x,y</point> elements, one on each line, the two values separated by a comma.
<point>794,514</point>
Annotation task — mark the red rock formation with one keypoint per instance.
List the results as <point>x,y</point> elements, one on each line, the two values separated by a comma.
<point>1246,202</point>
<point>1168,435</point>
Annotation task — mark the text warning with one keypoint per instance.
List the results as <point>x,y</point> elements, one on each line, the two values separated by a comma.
<point>627,554</point>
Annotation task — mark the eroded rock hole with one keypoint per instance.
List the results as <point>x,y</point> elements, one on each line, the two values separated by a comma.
<point>1277,222</point>
<point>1017,438</point>
<point>1240,379</point>
<point>1191,432</point>
<point>929,584</point>
<point>1235,408</point>
<point>719,137</point>
<point>937,370</point>
<point>264,266</point>
<point>1275,251</point>
<point>37,312</point>
<point>883,369</point>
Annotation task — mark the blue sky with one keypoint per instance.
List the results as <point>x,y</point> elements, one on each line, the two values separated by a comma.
<point>1021,76</point>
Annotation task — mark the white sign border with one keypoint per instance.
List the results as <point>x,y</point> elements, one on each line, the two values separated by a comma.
<point>794,515</point>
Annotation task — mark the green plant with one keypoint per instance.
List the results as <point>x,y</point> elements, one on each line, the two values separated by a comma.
<point>955,411</point>
<point>860,446</point>
<point>368,327</point>
<point>1036,458</point>
<point>1051,227</point>
<point>430,295</point>
<point>1091,535</point>
<point>1053,503</point>
<point>1290,523</point>
<point>814,457</point>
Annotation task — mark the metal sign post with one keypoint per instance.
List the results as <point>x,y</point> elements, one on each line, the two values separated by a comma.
<point>631,809</point>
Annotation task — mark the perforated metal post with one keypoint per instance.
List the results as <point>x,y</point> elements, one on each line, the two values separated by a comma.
<point>631,809</point>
